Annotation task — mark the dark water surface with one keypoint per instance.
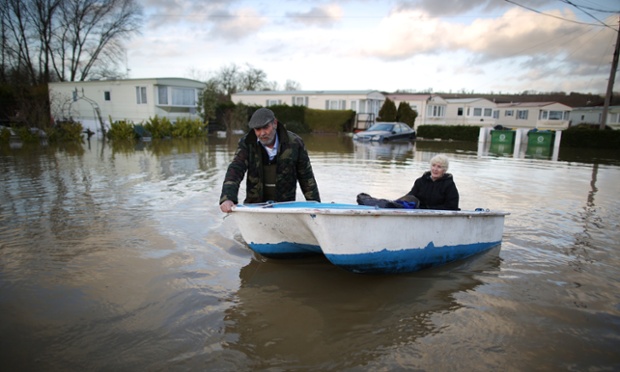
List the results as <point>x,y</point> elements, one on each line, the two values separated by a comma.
<point>117,258</point>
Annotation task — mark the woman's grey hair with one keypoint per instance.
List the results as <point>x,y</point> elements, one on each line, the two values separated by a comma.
<point>441,160</point>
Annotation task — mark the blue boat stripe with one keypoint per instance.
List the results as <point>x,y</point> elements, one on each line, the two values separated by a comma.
<point>406,260</point>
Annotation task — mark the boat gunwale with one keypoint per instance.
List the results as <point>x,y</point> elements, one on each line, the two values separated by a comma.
<point>367,211</point>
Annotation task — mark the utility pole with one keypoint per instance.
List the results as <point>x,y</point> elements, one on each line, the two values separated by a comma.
<point>612,77</point>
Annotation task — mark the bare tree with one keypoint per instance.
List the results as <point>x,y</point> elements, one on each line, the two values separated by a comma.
<point>271,85</point>
<point>232,79</point>
<point>43,15</point>
<point>229,79</point>
<point>19,38</point>
<point>292,85</point>
<point>197,74</point>
<point>93,34</point>
<point>208,101</point>
<point>65,40</point>
<point>253,78</point>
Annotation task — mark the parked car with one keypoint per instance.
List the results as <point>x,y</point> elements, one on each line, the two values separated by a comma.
<point>386,131</point>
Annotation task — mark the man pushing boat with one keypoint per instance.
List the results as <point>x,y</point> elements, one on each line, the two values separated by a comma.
<point>275,159</point>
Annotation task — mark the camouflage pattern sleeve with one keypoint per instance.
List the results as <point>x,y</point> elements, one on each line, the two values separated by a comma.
<point>235,173</point>
<point>305,175</point>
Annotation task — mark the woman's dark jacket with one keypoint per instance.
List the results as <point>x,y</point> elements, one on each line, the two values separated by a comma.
<point>293,165</point>
<point>440,194</point>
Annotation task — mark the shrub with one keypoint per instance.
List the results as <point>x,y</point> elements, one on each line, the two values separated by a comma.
<point>159,127</point>
<point>65,131</point>
<point>25,134</point>
<point>406,114</point>
<point>121,130</point>
<point>5,134</point>
<point>187,128</point>
<point>388,111</point>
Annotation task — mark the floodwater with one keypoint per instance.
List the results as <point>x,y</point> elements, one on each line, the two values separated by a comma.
<point>116,257</point>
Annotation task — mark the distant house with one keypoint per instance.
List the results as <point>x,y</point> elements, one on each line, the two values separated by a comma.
<point>134,100</point>
<point>435,112</point>
<point>593,116</point>
<point>366,103</point>
<point>471,111</point>
<point>539,115</point>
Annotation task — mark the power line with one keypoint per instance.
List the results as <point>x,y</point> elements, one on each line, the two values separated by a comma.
<point>554,16</point>
<point>581,8</point>
<point>598,10</point>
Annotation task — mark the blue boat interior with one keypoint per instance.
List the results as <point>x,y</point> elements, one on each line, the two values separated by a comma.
<point>308,204</point>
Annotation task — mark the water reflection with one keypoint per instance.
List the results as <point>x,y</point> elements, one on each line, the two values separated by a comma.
<point>384,151</point>
<point>328,143</point>
<point>164,147</point>
<point>549,152</point>
<point>590,156</point>
<point>500,149</point>
<point>448,147</point>
<point>312,314</point>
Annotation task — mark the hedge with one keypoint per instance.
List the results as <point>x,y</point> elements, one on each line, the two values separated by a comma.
<point>590,137</point>
<point>329,121</point>
<point>449,132</point>
<point>300,119</point>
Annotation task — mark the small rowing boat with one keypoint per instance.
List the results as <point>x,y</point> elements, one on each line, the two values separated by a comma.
<point>367,239</point>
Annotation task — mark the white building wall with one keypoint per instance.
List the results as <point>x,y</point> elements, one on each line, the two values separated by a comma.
<point>593,115</point>
<point>517,117</point>
<point>514,116</point>
<point>359,101</point>
<point>117,100</point>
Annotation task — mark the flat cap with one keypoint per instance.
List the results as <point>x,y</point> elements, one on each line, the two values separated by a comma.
<point>261,117</point>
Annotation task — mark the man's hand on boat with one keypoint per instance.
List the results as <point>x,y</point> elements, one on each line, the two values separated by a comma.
<point>226,206</point>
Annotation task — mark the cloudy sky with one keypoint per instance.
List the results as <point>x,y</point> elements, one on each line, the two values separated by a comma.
<point>415,45</point>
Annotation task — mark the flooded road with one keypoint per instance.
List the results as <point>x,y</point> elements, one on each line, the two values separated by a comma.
<point>116,257</point>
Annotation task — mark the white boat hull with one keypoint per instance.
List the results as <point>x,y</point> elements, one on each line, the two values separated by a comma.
<point>365,239</point>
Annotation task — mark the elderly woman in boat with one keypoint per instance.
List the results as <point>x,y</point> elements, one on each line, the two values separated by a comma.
<point>434,190</point>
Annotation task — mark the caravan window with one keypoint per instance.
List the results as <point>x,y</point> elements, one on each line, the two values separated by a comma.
<point>141,95</point>
<point>435,111</point>
<point>555,115</point>
<point>522,114</point>
<point>300,101</point>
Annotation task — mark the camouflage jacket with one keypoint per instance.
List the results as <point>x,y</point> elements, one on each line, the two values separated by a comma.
<point>293,165</point>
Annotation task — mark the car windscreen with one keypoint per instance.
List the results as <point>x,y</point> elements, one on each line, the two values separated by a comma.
<point>381,127</point>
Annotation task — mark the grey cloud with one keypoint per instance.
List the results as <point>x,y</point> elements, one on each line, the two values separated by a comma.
<point>438,8</point>
<point>315,16</point>
<point>162,13</point>
<point>214,19</point>
<point>570,42</point>
<point>196,5</point>
<point>233,27</point>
